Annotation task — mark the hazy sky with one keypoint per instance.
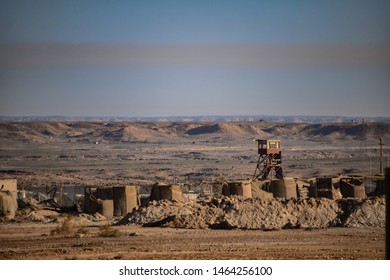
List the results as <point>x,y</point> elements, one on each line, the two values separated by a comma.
<point>167,58</point>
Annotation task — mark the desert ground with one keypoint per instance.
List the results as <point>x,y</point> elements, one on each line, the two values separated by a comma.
<point>33,241</point>
<point>75,155</point>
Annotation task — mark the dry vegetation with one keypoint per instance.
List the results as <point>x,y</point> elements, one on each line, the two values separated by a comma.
<point>108,231</point>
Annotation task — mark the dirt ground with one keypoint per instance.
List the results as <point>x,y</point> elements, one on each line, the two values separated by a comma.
<point>30,241</point>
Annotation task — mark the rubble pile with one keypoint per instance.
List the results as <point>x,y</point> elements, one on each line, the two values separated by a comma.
<point>370,212</point>
<point>236,212</point>
<point>276,214</point>
<point>188,214</point>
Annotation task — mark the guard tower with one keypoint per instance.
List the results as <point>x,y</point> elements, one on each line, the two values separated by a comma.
<point>269,164</point>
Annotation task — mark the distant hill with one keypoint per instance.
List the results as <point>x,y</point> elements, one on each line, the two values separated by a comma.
<point>91,132</point>
<point>228,128</point>
<point>284,119</point>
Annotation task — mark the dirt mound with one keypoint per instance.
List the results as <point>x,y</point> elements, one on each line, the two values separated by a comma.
<point>235,212</point>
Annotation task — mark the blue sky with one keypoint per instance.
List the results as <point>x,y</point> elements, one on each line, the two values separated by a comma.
<point>167,58</point>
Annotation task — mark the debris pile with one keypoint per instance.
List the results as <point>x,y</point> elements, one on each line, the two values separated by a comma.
<point>277,214</point>
<point>368,212</point>
<point>188,214</point>
<point>271,214</point>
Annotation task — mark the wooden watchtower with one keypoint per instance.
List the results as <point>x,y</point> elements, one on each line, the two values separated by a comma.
<point>269,164</point>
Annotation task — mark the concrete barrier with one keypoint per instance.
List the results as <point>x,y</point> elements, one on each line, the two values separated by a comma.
<point>162,191</point>
<point>284,188</point>
<point>98,200</point>
<point>126,199</point>
<point>240,188</point>
<point>112,201</point>
<point>329,187</point>
<point>259,189</point>
<point>105,207</point>
<point>353,188</point>
<point>8,205</point>
<point>8,198</point>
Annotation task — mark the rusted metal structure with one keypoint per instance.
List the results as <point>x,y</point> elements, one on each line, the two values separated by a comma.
<point>269,164</point>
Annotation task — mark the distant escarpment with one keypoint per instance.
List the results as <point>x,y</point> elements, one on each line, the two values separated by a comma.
<point>141,131</point>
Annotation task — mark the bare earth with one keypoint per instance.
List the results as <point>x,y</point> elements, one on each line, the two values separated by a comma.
<point>74,155</point>
<point>33,241</point>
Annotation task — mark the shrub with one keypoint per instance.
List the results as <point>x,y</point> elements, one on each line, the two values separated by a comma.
<point>108,231</point>
<point>66,227</point>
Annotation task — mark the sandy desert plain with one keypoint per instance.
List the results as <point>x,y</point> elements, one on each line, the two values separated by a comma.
<point>78,154</point>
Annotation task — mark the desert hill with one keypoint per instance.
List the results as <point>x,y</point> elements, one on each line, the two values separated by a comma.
<point>228,128</point>
<point>140,131</point>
